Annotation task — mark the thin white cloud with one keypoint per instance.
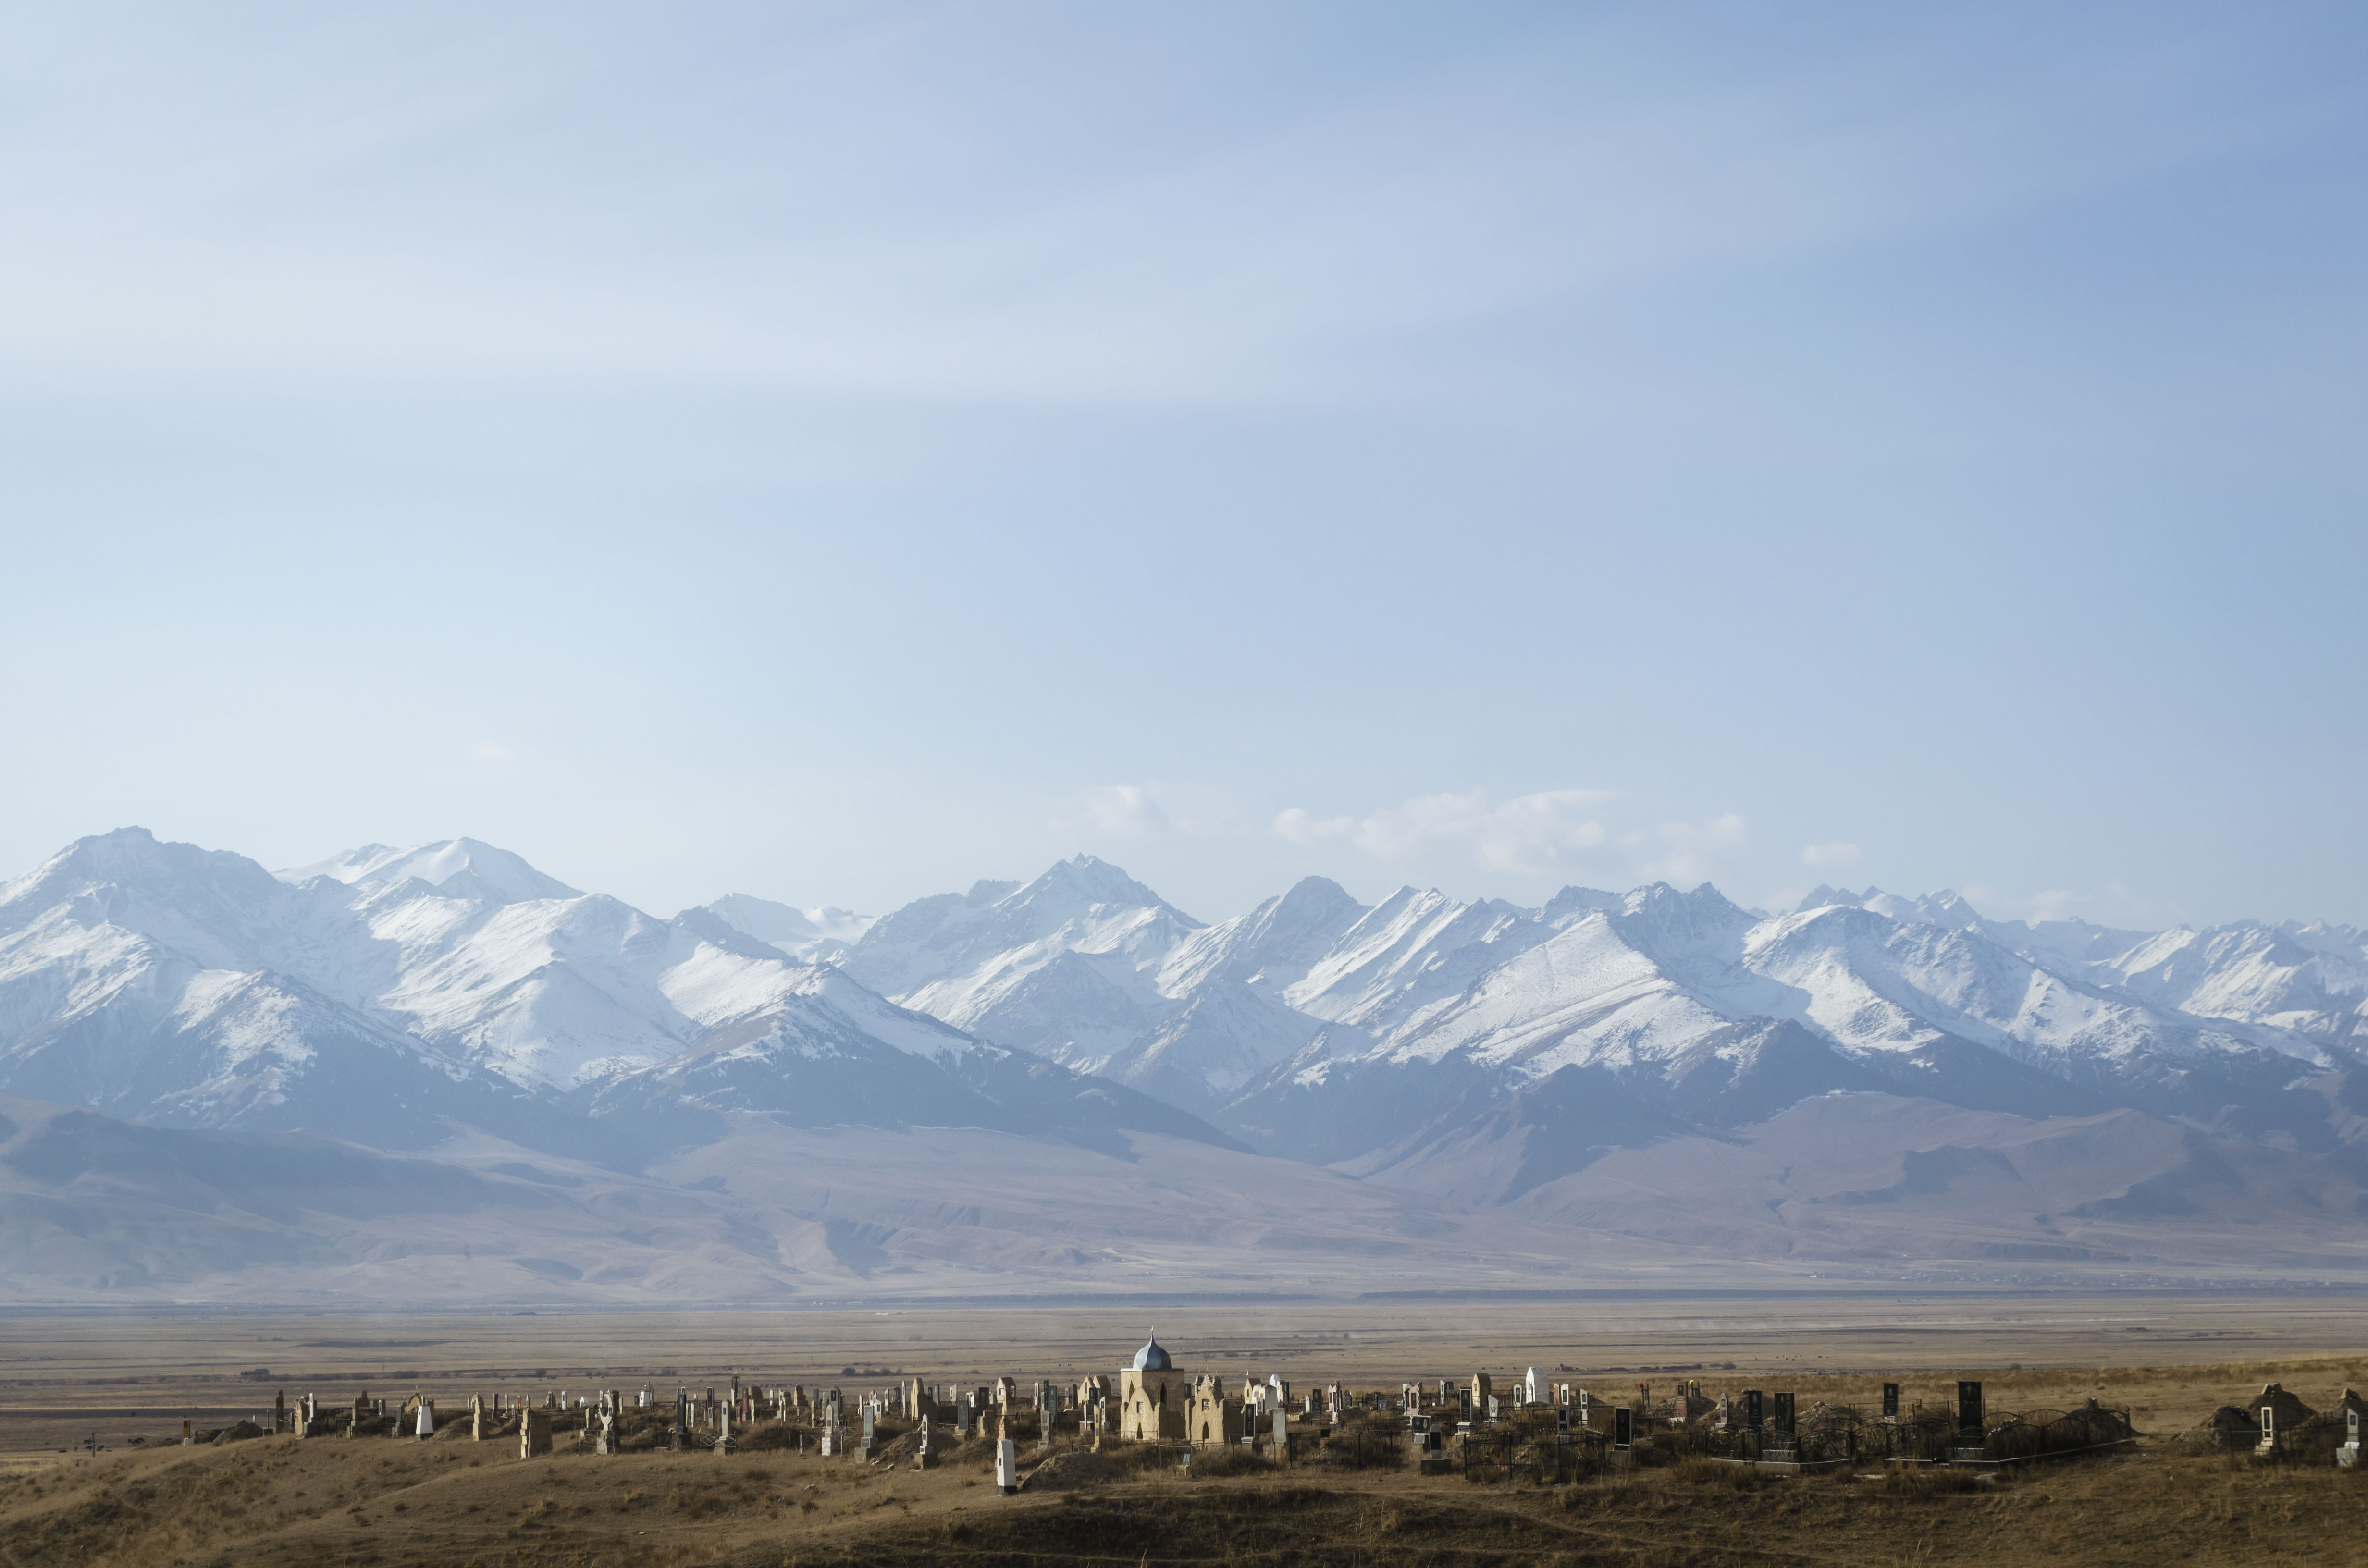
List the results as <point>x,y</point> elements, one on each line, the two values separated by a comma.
<point>1126,810</point>
<point>1835,854</point>
<point>1696,852</point>
<point>1528,834</point>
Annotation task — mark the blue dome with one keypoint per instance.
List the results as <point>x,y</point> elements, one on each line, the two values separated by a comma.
<point>1151,1358</point>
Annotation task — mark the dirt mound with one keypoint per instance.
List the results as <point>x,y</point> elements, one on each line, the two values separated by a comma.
<point>238,1432</point>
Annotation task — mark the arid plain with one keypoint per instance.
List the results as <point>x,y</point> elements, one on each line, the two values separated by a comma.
<point>75,1391</point>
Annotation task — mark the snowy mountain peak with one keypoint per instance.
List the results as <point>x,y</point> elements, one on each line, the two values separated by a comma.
<point>1269,948</point>
<point>456,867</point>
<point>1946,908</point>
<point>1073,888</point>
<point>1576,903</point>
<point>135,857</point>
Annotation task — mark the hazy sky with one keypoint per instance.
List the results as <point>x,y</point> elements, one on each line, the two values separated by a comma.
<point>839,452</point>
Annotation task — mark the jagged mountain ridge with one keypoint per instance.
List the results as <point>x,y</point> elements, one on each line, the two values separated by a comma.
<point>1376,1023</point>
<point>387,996</point>
<point>1533,1061</point>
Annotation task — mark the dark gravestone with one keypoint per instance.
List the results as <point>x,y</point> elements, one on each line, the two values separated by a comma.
<point>1751,1413</point>
<point>1891,1399</point>
<point>1463,1406</point>
<point>1783,1415</point>
<point>1623,1427</point>
<point>1969,1408</point>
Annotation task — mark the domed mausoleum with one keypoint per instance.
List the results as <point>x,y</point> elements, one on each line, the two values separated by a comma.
<point>1152,1395</point>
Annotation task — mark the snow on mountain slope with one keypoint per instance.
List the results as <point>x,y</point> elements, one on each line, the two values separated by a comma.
<point>1070,1007</point>
<point>1222,1037</point>
<point>1874,983</point>
<point>1584,994</point>
<point>1946,908</point>
<point>2073,948</point>
<point>2253,972</point>
<point>956,941</point>
<point>1632,982</point>
<point>1269,949</point>
<point>392,991</point>
<point>554,990</point>
<point>168,982</point>
<point>821,1064</point>
<point>1411,949</point>
<point>1640,984</point>
<point>1641,991</point>
<point>456,867</point>
<point>809,935</point>
<point>1067,965</point>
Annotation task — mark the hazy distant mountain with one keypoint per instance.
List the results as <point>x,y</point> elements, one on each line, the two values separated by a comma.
<point>810,935</point>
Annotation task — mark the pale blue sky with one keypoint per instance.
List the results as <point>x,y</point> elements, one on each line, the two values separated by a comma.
<point>838,452</point>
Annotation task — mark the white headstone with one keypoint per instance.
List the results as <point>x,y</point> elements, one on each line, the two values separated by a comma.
<point>1007,1467</point>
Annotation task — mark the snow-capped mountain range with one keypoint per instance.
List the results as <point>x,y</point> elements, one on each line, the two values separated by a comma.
<point>385,995</point>
<point>1482,1054</point>
<point>1327,1028</point>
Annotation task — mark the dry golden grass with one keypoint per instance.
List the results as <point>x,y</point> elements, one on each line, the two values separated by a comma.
<point>382,1502</point>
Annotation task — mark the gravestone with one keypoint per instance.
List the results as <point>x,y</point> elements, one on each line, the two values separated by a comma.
<point>1624,1427</point>
<point>427,1427</point>
<point>2347,1456</point>
<point>534,1434</point>
<point>924,1459</point>
<point>1281,1453</point>
<point>1784,1417</point>
<point>1751,1410</point>
<point>606,1443</point>
<point>1007,1466</point>
<point>723,1443</point>
<point>1891,1402</point>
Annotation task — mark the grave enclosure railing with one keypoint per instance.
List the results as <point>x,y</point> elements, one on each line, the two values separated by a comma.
<point>1532,1451</point>
<point>1826,1434</point>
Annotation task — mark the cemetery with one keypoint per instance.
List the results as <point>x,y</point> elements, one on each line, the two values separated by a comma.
<point>1150,1455</point>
